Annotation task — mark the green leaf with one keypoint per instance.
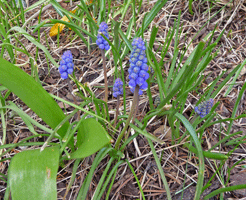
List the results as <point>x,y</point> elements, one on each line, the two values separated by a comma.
<point>32,94</point>
<point>32,174</point>
<point>91,137</point>
<point>193,134</point>
<point>241,93</point>
<point>34,41</point>
<point>151,15</point>
<point>102,11</point>
<point>190,7</point>
<point>226,189</point>
<point>146,134</point>
<point>207,154</point>
<point>153,36</point>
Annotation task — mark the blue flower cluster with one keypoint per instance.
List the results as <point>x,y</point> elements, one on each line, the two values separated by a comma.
<point>66,64</point>
<point>118,88</point>
<point>138,71</point>
<point>101,42</point>
<point>204,108</point>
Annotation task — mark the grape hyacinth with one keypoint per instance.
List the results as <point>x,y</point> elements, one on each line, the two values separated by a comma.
<point>204,108</point>
<point>118,88</point>
<point>101,42</point>
<point>66,64</point>
<point>138,71</point>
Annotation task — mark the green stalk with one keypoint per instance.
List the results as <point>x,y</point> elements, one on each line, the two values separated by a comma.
<point>3,126</point>
<point>134,115</point>
<point>74,99</point>
<point>110,186</point>
<point>134,104</point>
<point>85,187</point>
<point>226,189</point>
<point>100,184</point>
<point>75,167</point>
<point>160,169</point>
<point>55,130</point>
<point>135,175</point>
<point>108,178</point>
<point>117,110</point>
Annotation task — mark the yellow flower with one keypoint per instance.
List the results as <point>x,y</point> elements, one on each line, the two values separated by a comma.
<point>89,2</point>
<point>54,29</point>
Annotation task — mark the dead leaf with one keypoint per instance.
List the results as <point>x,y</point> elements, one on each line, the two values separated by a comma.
<point>23,60</point>
<point>163,130</point>
<point>61,104</point>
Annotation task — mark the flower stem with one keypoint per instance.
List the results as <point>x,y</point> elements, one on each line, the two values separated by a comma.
<point>74,99</point>
<point>117,110</point>
<point>105,75</point>
<point>133,118</point>
<point>134,105</point>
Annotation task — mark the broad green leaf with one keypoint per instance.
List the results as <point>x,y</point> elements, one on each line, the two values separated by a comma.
<point>32,174</point>
<point>91,137</point>
<point>32,94</point>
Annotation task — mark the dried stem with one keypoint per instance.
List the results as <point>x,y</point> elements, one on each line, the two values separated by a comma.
<point>105,75</point>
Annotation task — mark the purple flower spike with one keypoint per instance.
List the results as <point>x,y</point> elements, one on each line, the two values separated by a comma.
<point>101,42</point>
<point>66,64</point>
<point>118,88</point>
<point>138,71</point>
<point>204,108</point>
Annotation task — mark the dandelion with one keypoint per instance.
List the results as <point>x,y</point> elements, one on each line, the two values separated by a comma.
<point>204,108</point>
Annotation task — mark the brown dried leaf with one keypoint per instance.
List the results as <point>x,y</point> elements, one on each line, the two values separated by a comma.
<point>22,59</point>
<point>163,130</point>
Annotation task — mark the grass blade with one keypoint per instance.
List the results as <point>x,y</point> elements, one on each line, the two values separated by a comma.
<point>193,134</point>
